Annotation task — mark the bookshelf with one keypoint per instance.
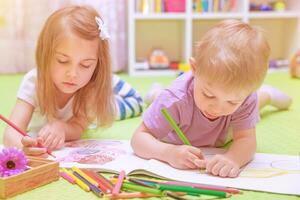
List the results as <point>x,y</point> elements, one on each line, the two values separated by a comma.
<point>177,32</point>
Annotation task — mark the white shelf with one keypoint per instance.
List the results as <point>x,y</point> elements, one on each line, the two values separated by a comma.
<point>217,16</point>
<point>189,26</point>
<point>273,15</point>
<point>160,16</point>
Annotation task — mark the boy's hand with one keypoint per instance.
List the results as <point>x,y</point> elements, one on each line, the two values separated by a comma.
<point>184,157</point>
<point>30,147</point>
<point>53,135</point>
<point>220,165</point>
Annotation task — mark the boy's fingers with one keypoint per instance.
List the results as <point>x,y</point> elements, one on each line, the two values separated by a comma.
<point>200,163</point>
<point>28,141</point>
<point>197,152</point>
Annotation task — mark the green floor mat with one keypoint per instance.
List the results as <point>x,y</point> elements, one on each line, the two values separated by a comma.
<point>278,132</point>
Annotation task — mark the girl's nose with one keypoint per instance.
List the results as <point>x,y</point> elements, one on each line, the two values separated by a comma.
<point>72,72</point>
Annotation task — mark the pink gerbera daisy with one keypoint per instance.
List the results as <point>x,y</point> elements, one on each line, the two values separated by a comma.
<point>12,161</point>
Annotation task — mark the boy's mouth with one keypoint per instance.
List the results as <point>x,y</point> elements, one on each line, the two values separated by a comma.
<point>209,116</point>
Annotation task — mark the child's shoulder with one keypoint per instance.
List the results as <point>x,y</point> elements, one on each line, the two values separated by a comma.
<point>182,86</point>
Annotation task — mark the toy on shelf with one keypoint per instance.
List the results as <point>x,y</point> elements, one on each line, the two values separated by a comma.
<point>278,63</point>
<point>158,59</point>
<point>295,65</point>
<point>266,5</point>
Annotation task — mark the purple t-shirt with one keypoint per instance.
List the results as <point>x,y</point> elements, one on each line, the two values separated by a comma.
<point>178,99</point>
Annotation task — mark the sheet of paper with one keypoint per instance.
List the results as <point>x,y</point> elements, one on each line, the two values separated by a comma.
<point>267,172</point>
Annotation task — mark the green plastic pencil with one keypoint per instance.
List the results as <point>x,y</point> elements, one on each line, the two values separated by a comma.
<point>175,127</point>
<point>189,190</point>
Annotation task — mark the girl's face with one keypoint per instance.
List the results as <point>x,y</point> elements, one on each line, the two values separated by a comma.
<point>74,63</point>
<point>214,101</point>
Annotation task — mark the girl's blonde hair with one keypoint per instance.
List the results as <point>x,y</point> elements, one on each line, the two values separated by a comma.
<point>234,55</point>
<point>94,100</point>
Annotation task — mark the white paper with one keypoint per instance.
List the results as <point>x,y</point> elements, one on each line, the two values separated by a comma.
<point>267,172</point>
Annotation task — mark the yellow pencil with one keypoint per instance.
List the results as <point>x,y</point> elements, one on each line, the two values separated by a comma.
<point>84,175</point>
<point>79,182</point>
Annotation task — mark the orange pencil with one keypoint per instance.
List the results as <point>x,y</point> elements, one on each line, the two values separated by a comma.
<point>102,182</point>
<point>131,195</point>
<point>11,124</point>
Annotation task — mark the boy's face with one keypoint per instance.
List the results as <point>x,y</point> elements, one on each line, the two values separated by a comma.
<point>74,63</point>
<point>213,101</point>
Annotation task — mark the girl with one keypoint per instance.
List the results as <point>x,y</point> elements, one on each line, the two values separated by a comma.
<point>72,85</point>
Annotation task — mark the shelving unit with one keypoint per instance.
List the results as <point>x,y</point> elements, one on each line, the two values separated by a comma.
<point>176,33</point>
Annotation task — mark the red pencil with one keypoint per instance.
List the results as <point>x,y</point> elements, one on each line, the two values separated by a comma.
<point>22,132</point>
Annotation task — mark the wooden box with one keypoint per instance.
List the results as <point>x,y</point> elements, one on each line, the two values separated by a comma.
<point>43,171</point>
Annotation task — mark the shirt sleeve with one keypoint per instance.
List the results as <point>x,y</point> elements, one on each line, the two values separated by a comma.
<point>27,90</point>
<point>155,121</point>
<point>247,115</point>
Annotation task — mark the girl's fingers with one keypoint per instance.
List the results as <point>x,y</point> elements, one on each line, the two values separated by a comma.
<point>34,151</point>
<point>28,141</point>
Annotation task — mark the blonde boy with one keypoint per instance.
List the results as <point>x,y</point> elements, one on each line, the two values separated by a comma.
<point>218,96</point>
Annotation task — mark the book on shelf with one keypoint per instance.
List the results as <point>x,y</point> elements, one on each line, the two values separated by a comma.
<point>214,6</point>
<point>267,172</point>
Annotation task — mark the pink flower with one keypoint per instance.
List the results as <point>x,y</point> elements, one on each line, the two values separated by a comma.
<point>12,161</point>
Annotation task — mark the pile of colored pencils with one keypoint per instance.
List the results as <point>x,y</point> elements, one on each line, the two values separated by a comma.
<point>122,187</point>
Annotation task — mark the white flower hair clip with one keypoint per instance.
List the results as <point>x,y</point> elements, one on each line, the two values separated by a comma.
<point>103,28</point>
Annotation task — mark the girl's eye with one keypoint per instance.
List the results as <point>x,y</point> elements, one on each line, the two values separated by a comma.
<point>208,96</point>
<point>86,66</point>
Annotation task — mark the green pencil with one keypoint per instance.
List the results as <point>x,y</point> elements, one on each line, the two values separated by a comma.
<point>175,127</point>
<point>191,190</point>
<point>138,188</point>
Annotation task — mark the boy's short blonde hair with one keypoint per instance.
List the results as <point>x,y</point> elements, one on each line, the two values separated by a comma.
<point>233,55</point>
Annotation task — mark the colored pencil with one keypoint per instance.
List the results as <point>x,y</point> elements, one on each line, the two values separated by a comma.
<point>94,188</point>
<point>138,188</point>
<point>67,177</point>
<point>175,127</point>
<point>142,183</point>
<point>188,190</point>
<point>84,175</point>
<point>79,182</point>
<point>131,195</point>
<point>102,185</point>
<point>14,126</point>
<point>204,186</point>
<point>119,183</point>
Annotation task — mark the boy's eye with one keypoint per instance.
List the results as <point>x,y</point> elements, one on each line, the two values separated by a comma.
<point>208,96</point>
<point>233,103</point>
<point>62,61</point>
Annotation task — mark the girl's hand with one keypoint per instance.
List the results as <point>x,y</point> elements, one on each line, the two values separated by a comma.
<point>184,157</point>
<point>221,165</point>
<point>53,135</point>
<point>30,147</point>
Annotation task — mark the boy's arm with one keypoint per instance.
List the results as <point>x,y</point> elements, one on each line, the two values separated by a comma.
<point>21,116</point>
<point>243,147</point>
<point>147,146</point>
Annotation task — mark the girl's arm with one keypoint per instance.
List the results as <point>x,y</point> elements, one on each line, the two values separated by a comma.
<point>129,102</point>
<point>21,116</point>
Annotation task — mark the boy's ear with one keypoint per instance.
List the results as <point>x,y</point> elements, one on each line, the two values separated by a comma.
<point>193,65</point>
